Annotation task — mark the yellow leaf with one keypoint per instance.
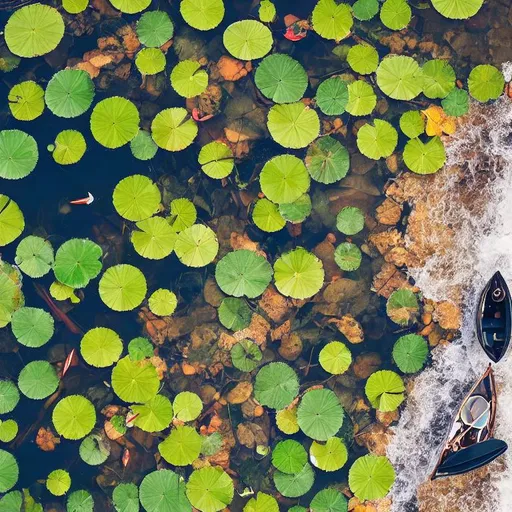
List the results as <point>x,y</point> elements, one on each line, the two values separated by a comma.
<point>438,122</point>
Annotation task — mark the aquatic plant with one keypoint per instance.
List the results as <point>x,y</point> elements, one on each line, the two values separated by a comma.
<point>350,220</point>
<point>163,490</point>
<point>361,98</point>
<point>74,417</point>
<point>131,6</point>
<point>399,77</point>
<point>181,447</point>
<point>69,147</point>
<point>424,158</point>
<point>26,100</point>
<point>363,58</point>
<point>348,256</point>
<point>276,385</point>
<point>410,353</point>
<point>173,130</point>
<point>289,456</point>
<point>320,414</point>
<point>182,215</point>
<point>261,503</point>
<point>456,103</point>
<point>75,7</point>
<point>335,357</point>
<point>196,246</point>
<point>281,78</point>
<point>485,82</point>
<point>9,471</point>
<point>150,61</point>
<point>34,256</point>
<point>126,497</point>
<point>329,456</point>
<point>135,381</point>
<point>154,28</point>
<point>412,123</point>
<point>33,327</point>
<point>210,489</point>
<point>142,146</point>
<point>286,421</point>
<point>329,500</point>
<point>364,10</point>
<point>371,477</point>
<point>297,211</point>
<point>327,160</point>
<point>247,39</point>
<point>457,10</point>
<point>295,484</point>
<point>331,20</point>
<point>101,347</point>
<point>8,430</point>
<point>155,415</point>
<point>136,198</point>
<point>156,238</point>
<point>266,216</point>
<point>187,406</point>
<point>395,14</point>
<point>332,96</point>
<point>377,141</point>
<point>162,302</point>
<point>246,355</point>
<point>122,287</point>
<point>94,449</point>
<point>9,396</point>
<point>385,390</point>
<point>202,14</point>
<point>38,380</point>
<point>139,348</point>
<point>438,78</point>
<point>58,482</point>
<point>80,501</point>
<point>216,160</point>
<point>188,78</point>
<point>18,154</point>
<point>34,30</point>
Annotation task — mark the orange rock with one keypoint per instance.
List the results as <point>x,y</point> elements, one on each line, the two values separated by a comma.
<point>232,69</point>
<point>240,393</point>
<point>46,439</point>
<point>448,315</point>
<point>188,369</point>
<point>349,327</point>
<point>258,411</point>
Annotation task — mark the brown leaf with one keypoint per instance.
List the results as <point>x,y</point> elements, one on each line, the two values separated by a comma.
<point>46,439</point>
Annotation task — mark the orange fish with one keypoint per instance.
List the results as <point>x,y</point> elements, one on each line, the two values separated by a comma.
<point>197,116</point>
<point>68,363</point>
<point>85,200</point>
<point>126,457</point>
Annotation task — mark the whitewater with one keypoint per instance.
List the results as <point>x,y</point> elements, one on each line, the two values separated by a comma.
<point>482,148</point>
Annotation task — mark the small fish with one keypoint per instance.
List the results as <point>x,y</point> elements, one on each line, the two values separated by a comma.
<point>197,117</point>
<point>131,419</point>
<point>68,362</point>
<point>126,457</point>
<point>85,200</point>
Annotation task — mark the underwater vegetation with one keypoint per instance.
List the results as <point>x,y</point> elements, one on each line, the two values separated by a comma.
<point>219,318</point>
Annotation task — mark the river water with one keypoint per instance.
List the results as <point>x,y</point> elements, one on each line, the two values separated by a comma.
<point>482,245</point>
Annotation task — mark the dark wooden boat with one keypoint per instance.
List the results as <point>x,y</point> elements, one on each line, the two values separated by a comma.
<point>470,442</point>
<point>493,321</point>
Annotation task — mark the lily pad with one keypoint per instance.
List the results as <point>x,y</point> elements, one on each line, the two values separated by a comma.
<point>70,147</point>
<point>246,355</point>
<point>296,484</point>
<point>173,129</point>
<point>74,417</point>
<point>335,358</point>
<point>395,14</point>
<point>18,154</point>
<point>187,406</point>
<point>162,491</point>
<point>400,77</point>
<point>485,83</point>
<point>377,141</point>
<point>131,6</point>
<point>438,78</point>
<point>210,489</point>
<point>320,414</point>
<point>202,14</point>
<point>329,500</point>
<point>34,256</point>
<point>385,390</point>
<point>77,261</point>
<point>196,246</point>
<point>234,314</point>
<point>26,101</point>
<point>9,471</point>
<point>289,456</point>
<point>332,20</point>
<point>327,160</point>
<point>424,158</point>
<point>183,214</point>
<point>402,307</point>
<point>276,385</point>
<point>189,79</point>
<point>136,198</point>
<point>9,396</point>
<point>143,146</point>
<point>216,160</point>
<point>332,96</point>
<point>122,287</point>
<point>135,381</point>
<point>363,58</point>
<point>154,28</point>
<point>162,302</point>
<point>38,380</point>
<point>33,327</point>
<point>457,9</point>
<point>155,415</point>
<point>371,477</point>
<point>248,39</point>
<point>150,61</point>
<point>156,238</point>
<point>350,220</point>
<point>182,446</point>
<point>348,256</point>
<point>410,353</point>
<point>101,347</point>
<point>267,217</point>
<point>361,98</point>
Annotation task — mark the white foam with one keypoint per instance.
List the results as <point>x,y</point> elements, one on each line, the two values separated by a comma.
<point>483,244</point>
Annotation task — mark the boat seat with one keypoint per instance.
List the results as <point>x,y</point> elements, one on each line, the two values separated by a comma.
<point>492,323</point>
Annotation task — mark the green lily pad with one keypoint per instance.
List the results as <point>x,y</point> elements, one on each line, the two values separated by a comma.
<point>196,246</point>
<point>181,447</point>
<point>122,287</point>
<point>332,96</point>
<point>234,314</point>
<point>156,238</point>
<point>18,154</point>
<point>162,302</point>
<point>335,358</point>
<point>136,198</point>
<point>276,386</point>
<point>400,77</point>
<point>210,489</point>
<point>332,20</point>
<point>350,220</point>
<point>173,129</point>
<point>34,256</point>
<point>69,93</point>
<point>70,147</point>
<point>327,160</point>
<point>135,381</point>
<point>371,477</point>
<point>26,101</point>
<point>74,417</point>
<point>248,39</point>
<point>155,415</point>
<point>267,217</point>
<point>101,347</point>
<point>202,14</point>
<point>38,380</point>
<point>410,353</point>
<point>154,28</point>
<point>348,256</point>
<point>33,327</point>
<point>188,78</point>
<point>385,390</point>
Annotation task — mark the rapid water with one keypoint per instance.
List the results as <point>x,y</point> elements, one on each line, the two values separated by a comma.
<point>479,209</point>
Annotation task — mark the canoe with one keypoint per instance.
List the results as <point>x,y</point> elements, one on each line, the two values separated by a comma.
<point>470,442</point>
<point>493,320</point>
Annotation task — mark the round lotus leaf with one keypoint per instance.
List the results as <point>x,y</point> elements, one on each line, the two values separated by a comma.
<point>173,130</point>
<point>154,28</point>
<point>202,14</point>
<point>123,287</point>
<point>101,347</point>
<point>26,100</point>
<point>135,381</point>
<point>74,417</point>
<point>248,39</point>
<point>18,154</point>
<point>38,380</point>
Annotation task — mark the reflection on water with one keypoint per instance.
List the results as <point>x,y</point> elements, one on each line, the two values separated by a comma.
<point>478,208</point>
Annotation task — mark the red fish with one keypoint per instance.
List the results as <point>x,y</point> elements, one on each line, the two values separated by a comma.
<point>295,32</point>
<point>68,363</point>
<point>126,457</point>
<point>85,200</point>
<point>131,419</point>
<point>197,116</point>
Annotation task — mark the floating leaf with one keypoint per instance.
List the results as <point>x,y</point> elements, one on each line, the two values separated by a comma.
<point>348,256</point>
<point>350,220</point>
<point>135,381</point>
<point>126,498</point>
<point>399,77</point>
<point>320,414</point>
<point>181,447</point>
<point>11,295</point>
<point>131,6</point>
<point>284,179</point>
<point>38,380</point>
<point>74,417</point>
<point>296,484</point>
<point>80,501</point>
<point>327,161</point>
<point>150,61</point>
<point>114,122</point>
<point>154,28</point>
<point>261,502</point>
<point>26,101</point>
<point>247,39</point>
<point>210,489</point>
<point>267,217</point>
<point>438,78</point>
<point>187,406</point>
<point>70,147</point>
<point>329,500</point>
<point>485,83</point>
<point>410,353</point>
<point>243,273</point>
<point>424,158</point>
<point>94,449</point>
<point>75,7</point>
<point>153,416</point>
<point>77,262</point>
<point>122,287</point>
<point>34,30</point>
<point>212,444</point>
<point>202,14</point>
<point>378,141</point>
<point>136,198</point>
<point>330,456</point>
<point>363,58</point>
<point>456,103</point>
<point>101,347</point>
<point>34,256</point>
<point>293,125</point>
<point>69,93</point>
<point>456,9</point>
<point>361,98</point>
<point>156,238</point>
<point>402,307</point>
<point>173,129</point>
<point>162,491</point>
<point>298,274</point>
<point>332,96</point>
<point>246,355</point>
<point>365,10</point>
<point>188,78</point>
<point>281,78</point>
<point>33,327</point>
<point>8,432</point>
<point>183,214</point>
<point>371,477</point>
<point>61,291</point>
<point>9,396</point>
<point>196,246</point>
<point>296,211</point>
<point>412,123</point>
<point>9,471</point>
<point>143,146</point>
<point>335,358</point>
<point>438,123</point>
<point>216,160</point>
<point>58,482</point>
<point>267,11</point>
<point>162,302</point>
<point>12,221</point>
<point>395,14</point>
<point>18,155</point>
<point>286,421</point>
<point>140,348</point>
<point>385,390</point>
<point>289,456</point>
<point>332,20</point>
<point>276,385</point>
